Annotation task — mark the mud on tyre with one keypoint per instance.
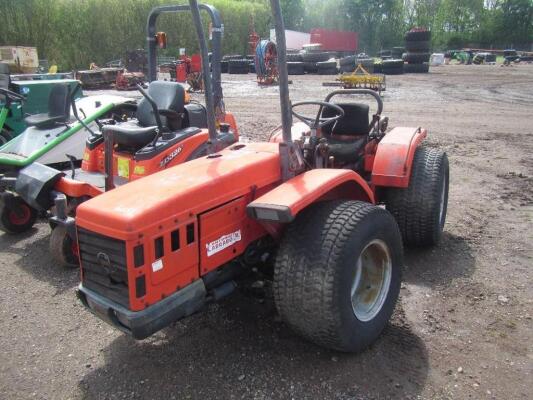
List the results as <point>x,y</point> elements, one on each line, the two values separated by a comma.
<point>337,273</point>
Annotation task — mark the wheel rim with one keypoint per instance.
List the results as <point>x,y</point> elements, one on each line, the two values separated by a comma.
<point>21,219</point>
<point>372,280</point>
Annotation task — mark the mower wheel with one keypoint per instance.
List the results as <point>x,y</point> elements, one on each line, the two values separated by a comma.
<point>14,222</point>
<point>63,249</point>
<point>337,273</point>
<point>420,209</point>
<point>5,136</point>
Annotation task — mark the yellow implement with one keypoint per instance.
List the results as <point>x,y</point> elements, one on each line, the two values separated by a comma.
<point>361,78</point>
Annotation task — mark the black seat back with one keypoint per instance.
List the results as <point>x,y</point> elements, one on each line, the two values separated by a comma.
<point>59,103</point>
<point>5,78</point>
<point>355,121</point>
<point>168,96</point>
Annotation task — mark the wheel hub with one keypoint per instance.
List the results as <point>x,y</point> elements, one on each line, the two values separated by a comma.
<point>372,280</point>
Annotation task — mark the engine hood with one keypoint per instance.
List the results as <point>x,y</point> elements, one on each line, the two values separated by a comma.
<point>181,191</point>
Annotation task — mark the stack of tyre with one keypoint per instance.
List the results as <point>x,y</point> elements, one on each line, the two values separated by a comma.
<point>312,58</point>
<point>393,66</point>
<point>350,63</point>
<point>295,65</point>
<point>417,46</point>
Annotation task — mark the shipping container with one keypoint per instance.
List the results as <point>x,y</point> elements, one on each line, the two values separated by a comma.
<point>20,59</point>
<point>339,41</point>
<point>294,39</point>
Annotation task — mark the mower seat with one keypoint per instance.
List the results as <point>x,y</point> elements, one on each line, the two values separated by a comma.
<point>133,135</point>
<point>130,135</point>
<point>58,109</point>
<point>348,135</point>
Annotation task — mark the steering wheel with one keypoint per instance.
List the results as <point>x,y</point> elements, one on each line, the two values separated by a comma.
<point>12,95</point>
<point>318,121</point>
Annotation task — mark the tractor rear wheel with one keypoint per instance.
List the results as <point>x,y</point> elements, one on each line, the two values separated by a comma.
<point>19,220</point>
<point>420,209</point>
<point>337,273</point>
<point>63,249</point>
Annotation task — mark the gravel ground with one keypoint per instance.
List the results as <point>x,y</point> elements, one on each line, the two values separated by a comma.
<point>461,330</point>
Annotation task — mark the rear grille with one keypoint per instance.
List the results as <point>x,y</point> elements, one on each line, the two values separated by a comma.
<point>103,262</point>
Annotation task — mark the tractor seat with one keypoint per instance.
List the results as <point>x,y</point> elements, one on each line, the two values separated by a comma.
<point>58,109</point>
<point>130,135</point>
<point>347,136</point>
<point>133,135</point>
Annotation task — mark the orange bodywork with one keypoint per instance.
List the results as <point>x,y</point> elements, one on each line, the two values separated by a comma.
<point>394,157</point>
<point>203,200</point>
<point>288,199</point>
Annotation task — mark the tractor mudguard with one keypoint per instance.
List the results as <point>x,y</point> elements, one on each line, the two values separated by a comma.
<point>77,189</point>
<point>35,183</point>
<point>394,157</point>
<point>283,203</point>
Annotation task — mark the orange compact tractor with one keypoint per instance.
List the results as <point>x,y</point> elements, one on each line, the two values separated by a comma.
<point>167,129</point>
<point>158,249</point>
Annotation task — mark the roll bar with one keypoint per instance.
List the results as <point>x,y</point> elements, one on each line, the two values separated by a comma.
<point>212,81</point>
<point>285,102</point>
<point>359,91</point>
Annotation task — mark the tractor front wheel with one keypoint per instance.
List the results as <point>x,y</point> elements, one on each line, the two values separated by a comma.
<point>64,250</point>
<point>337,274</point>
<point>420,209</point>
<point>18,217</point>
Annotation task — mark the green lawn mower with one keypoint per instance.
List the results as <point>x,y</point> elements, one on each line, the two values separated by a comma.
<point>18,99</point>
<point>53,138</point>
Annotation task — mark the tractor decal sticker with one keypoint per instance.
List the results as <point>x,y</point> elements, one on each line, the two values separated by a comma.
<point>170,157</point>
<point>139,170</point>
<point>157,265</point>
<point>123,167</point>
<point>223,242</point>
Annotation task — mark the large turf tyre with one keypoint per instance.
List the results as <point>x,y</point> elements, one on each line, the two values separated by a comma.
<point>232,57</point>
<point>349,60</point>
<point>63,249</point>
<point>392,67</point>
<point>315,57</point>
<point>416,68</point>
<point>423,46</point>
<point>17,222</point>
<point>418,36</point>
<point>310,67</point>
<point>241,66</point>
<point>295,68</point>
<point>294,57</point>
<point>326,65</point>
<point>328,71</point>
<point>417,58</point>
<point>378,68</point>
<point>347,68</point>
<point>337,274</point>
<point>420,209</point>
<point>224,67</point>
<point>5,136</point>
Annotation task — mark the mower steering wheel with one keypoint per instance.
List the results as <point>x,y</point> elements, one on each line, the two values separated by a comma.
<point>12,95</point>
<point>318,121</point>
